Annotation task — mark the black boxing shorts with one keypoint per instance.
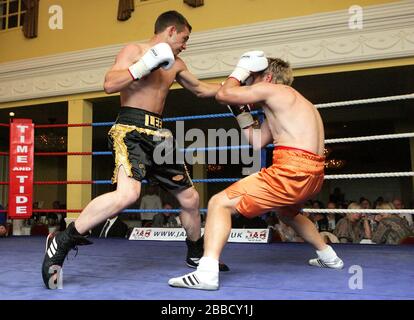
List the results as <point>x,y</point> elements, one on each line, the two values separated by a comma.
<point>133,139</point>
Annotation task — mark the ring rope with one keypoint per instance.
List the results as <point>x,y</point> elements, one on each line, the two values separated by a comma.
<point>231,180</point>
<point>371,138</point>
<point>363,211</point>
<point>368,211</point>
<point>227,115</point>
<point>364,101</point>
<point>327,141</point>
<point>63,125</point>
<point>370,175</point>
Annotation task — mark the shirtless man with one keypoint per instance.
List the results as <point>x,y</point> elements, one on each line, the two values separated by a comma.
<point>295,127</point>
<point>143,74</point>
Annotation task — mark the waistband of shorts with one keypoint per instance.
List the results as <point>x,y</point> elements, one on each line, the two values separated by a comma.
<point>303,160</point>
<point>139,118</point>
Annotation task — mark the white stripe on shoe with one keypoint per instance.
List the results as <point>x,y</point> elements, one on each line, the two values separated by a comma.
<point>192,281</point>
<point>335,264</point>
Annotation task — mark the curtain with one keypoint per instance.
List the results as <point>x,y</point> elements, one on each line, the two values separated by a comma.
<point>125,7</point>
<point>31,18</point>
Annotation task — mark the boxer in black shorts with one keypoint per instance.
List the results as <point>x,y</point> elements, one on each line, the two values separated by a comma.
<point>143,74</point>
<point>133,139</point>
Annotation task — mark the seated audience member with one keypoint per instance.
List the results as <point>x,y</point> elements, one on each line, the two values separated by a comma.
<point>332,218</point>
<point>3,215</point>
<point>165,219</point>
<point>365,203</point>
<point>379,201</point>
<point>111,228</point>
<point>407,216</point>
<point>3,221</point>
<point>351,228</point>
<point>320,219</point>
<point>150,200</point>
<point>391,228</point>
<point>3,230</point>
<point>286,233</point>
<point>329,237</point>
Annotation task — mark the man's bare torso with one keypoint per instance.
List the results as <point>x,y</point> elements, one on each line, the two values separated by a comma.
<point>294,121</point>
<point>150,92</point>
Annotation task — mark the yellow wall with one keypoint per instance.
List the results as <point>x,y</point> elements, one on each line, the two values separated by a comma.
<point>92,23</point>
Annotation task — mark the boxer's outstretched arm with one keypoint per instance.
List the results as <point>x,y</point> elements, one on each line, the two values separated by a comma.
<point>232,93</point>
<point>119,77</point>
<point>200,88</point>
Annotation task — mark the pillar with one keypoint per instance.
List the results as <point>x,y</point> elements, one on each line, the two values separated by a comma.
<point>79,167</point>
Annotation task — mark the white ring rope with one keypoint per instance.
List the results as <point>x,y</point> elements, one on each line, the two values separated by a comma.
<point>368,211</point>
<point>371,138</point>
<point>369,175</point>
<point>364,101</point>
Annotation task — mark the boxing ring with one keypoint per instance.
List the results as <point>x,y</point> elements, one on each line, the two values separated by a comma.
<point>122,269</point>
<point>118,269</point>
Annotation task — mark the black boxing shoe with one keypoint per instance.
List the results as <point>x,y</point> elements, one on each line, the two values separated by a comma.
<point>57,247</point>
<point>195,250</point>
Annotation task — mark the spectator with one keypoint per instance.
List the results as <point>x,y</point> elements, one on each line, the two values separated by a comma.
<point>407,216</point>
<point>54,218</point>
<point>351,229</point>
<point>271,219</point>
<point>165,219</point>
<point>365,203</point>
<point>378,202</point>
<point>319,219</point>
<point>3,231</point>
<point>287,234</point>
<point>111,228</point>
<point>3,216</point>
<point>3,223</point>
<point>332,218</point>
<point>151,200</point>
<point>329,237</point>
<point>391,228</point>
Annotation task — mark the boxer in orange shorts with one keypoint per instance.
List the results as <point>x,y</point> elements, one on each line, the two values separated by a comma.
<point>295,127</point>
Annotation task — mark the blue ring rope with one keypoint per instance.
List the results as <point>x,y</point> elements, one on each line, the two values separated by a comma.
<point>172,119</point>
<point>269,146</point>
<point>156,210</point>
<point>218,180</point>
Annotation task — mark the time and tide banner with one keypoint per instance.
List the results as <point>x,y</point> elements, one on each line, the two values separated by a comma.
<point>21,168</point>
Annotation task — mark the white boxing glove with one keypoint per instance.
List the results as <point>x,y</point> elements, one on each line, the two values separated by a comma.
<point>243,115</point>
<point>158,56</point>
<point>252,61</point>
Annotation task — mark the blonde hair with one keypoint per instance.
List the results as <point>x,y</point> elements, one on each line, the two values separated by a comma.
<point>280,70</point>
<point>354,205</point>
<point>385,206</point>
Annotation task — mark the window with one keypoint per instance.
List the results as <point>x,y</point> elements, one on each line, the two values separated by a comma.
<point>11,14</point>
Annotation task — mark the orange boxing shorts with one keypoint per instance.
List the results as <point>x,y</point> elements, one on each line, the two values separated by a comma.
<point>295,176</point>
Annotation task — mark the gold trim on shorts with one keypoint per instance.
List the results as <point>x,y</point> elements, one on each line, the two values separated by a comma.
<point>118,133</point>
<point>153,121</point>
